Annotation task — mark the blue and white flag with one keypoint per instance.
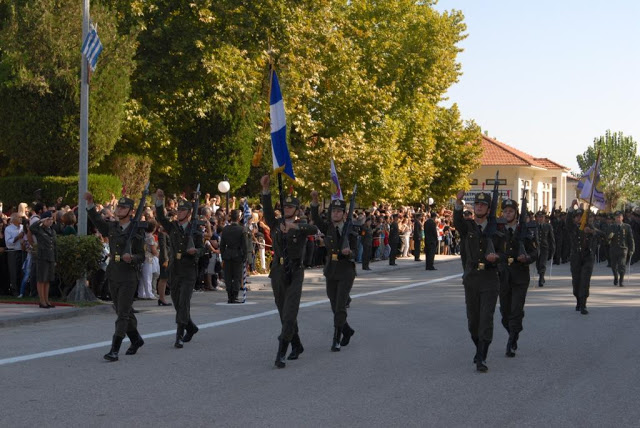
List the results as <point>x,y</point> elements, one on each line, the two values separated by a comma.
<point>281,158</point>
<point>589,182</point>
<point>92,47</point>
<point>336,183</point>
<point>246,213</point>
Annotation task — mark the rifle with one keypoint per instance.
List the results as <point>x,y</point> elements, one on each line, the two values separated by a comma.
<point>135,223</point>
<point>285,255</point>
<point>523,228</point>
<point>348,226</point>
<point>492,222</point>
<point>193,226</point>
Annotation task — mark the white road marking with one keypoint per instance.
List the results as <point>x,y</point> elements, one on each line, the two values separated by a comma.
<point>63,351</point>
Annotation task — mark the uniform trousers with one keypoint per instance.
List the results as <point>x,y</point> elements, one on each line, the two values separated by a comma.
<point>122,293</point>
<point>480,295</point>
<point>181,291</point>
<point>581,270</point>
<point>338,289</point>
<point>287,294</point>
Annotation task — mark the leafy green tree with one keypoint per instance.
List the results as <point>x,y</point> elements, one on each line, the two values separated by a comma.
<point>619,166</point>
<point>40,89</point>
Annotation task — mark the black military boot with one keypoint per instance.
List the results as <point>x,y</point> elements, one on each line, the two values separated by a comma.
<point>191,330</point>
<point>578,305</point>
<point>347,332</point>
<point>296,348</point>
<point>621,280</point>
<point>475,342</point>
<point>509,352</point>
<point>514,341</point>
<point>480,358</point>
<point>337,332</point>
<point>179,336</point>
<point>116,341</point>
<point>583,306</point>
<point>136,342</point>
<point>541,281</point>
<point>282,353</point>
<point>615,279</point>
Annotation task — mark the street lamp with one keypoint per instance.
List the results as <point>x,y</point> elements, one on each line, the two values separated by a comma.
<point>224,187</point>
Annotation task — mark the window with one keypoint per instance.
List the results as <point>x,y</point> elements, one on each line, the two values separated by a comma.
<point>473,182</point>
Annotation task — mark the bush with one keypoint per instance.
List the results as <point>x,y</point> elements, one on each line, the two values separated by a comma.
<point>14,190</point>
<point>78,257</point>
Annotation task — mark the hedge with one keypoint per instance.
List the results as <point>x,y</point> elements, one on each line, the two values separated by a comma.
<point>14,190</point>
<point>78,256</point>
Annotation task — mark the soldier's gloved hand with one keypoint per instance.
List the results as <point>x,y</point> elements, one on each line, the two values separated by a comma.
<point>127,258</point>
<point>522,258</point>
<point>191,251</point>
<point>492,258</point>
<point>346,251</point>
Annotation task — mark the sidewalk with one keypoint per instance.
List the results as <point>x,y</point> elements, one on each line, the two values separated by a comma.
<point>12,314</point>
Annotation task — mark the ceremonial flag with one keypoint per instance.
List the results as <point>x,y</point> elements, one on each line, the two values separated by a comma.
<point>246,213</point>
<point>589,182</point>
<point>281,158</point>
<point>336,183</point>
<point>91,47</point>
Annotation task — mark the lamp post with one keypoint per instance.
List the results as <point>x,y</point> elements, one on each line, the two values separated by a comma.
<point>224,187</point>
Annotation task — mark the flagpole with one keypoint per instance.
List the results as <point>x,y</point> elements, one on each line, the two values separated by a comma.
<point>585,214</point>
<point>84,129</point>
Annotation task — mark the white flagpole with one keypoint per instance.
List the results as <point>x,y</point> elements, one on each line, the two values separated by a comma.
<point>84,129</point>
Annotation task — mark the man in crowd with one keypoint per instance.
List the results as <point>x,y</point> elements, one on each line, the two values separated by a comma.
<point>289,238</point>
<point>122,271</point>
<point>417,236</point>
<point>481,281</point>
<point>519,252</point>
<point>546,244</point>
<point>621,247</point>
<point>13,235</point>
<point>430,240</point>
<point>340,268</point>
<point>187,246</point>
<point>394,240</point>
<point>233,249</point>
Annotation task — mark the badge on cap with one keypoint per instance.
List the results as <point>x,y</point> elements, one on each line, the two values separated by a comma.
<point>481,196</point>
<point>122,201</point>
<point>289,200</point>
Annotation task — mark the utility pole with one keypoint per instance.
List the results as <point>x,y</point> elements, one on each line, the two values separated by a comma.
<point>83,173</point>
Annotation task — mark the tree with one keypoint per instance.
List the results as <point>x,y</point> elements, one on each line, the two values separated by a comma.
<point>619,166</point>
<point>39,86</point>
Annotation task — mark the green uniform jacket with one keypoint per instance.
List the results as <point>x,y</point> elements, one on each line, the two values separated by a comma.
<point>233,243</point>
<point>620,238</point>
<point>119,271</point>
<point>476,244</point>
<point>582,244</point>
<point>337,264</point>
<point>510,268</point>
<point>46,242</point>
<point>182,263</point>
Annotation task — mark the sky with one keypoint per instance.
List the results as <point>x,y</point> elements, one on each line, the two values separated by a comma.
<point>549,76</point>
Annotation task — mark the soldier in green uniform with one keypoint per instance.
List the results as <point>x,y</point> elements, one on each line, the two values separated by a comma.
<point>287,269</point>
<point>519,251</point>
<point>122,271</point>
<point>45,262</point>
<point>481,281</point>
<point>340,268</point>
<point>621,247</point>
<point>233,247</point>
<point>394,240</point>
<point>584,244</point>
<point>366,234</point>
<point>546,245</point>
<point>187,247</point>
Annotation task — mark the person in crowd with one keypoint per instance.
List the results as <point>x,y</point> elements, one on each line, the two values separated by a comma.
<point>394,240</point>
<point>233,249</point>
<point>430,240</point>
<point>13,234</point>
<point>69,222</point>
<point>621,247</point>
<point>46,256</point>
<point>366,238</point>
<point>417,236</point>
<point>145,289</point>
<point>4,264</point>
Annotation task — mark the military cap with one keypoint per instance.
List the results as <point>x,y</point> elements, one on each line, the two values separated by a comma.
<point>483,198</point>
<point>510,203</point>
<point>184,205</point>
<point>541,214</point>
<point>338,204</point>
<point>46,214</point>
<point>291,201</point>
<point>467,212</point>
<point>126,202</point>
<point>636,210</point>
<point>617,213</point>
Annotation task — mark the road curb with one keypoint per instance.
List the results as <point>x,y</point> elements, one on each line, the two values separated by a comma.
<point>53,314</point>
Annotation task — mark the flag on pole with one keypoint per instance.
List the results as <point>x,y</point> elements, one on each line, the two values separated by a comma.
<point>334,178</point>
<point>91,47</point>
<point>588,183</point>
<point>246,213</point>
<point>281,159</point>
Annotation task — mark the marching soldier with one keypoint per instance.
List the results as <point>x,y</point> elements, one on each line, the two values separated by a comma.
<point>514,273</point>
<point>558,233</point>
<point>287,269</point>
<point>481,281</point>
<point>186,249</point>
<point>621,247</point>
<point>394,240</point>
<point>546,244</point>
<point>233,247</point>
<point>584,245</point>
<point>340,269</point>
<point>122,271</point>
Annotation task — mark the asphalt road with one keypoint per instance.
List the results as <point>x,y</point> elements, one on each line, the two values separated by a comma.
<point>409,363</point>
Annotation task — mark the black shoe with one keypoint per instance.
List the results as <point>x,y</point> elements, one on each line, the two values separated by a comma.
<point>367,268</point>
<point>191,330</point>
<point>50,305</point>
<point>347,332</point>
<point>621,280</point>
<point>296,348</point>
<point>335,346</point>
<point>136,342</point>
<point>583,310</point>
<point>234,301</point>
<point>179,335</point>
<point>44,306</point>
<point>161,303</point>
<point>282,352</point>
<point>509,352</point>
<point>116,341</point>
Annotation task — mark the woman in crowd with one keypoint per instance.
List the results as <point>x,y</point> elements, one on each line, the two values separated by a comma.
<point>163,260</point>
<point>4,266</point>
<point>69,222</point>
<point>145,290</point>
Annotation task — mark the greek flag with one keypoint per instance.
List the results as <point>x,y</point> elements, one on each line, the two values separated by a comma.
<point>281,158</point>
<point>336,183</point>
<point>92,47</point>
<point>246,213</point>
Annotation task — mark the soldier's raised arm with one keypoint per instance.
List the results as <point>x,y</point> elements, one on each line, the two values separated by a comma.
<point>315,213</point>
<point>458,219</point>
<point>162,218</point>
<point>95,217</point>
<point>267,205</point>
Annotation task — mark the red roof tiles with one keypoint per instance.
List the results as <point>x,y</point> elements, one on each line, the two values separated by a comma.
<point>498,153</point>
